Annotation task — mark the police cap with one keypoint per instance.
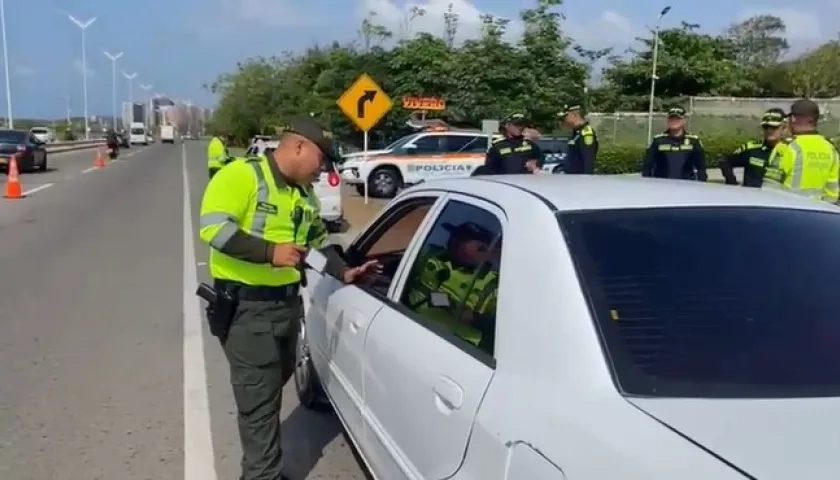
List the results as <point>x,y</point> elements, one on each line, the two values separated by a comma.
<point>805,108</point>
<point>569,108</point>
<point>310,129</point>
<point>676,112</point>
<point>773,117</point>
<point>469,231</point>
<point>518,119</point>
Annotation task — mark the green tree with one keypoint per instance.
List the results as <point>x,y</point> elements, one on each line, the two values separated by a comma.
<point>758,41</point>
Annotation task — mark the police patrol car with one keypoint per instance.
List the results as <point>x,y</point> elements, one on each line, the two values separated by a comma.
<point>414,159</point>
<point>327,186</point>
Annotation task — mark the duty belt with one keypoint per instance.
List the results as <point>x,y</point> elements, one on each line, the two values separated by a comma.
<point>263,293</point>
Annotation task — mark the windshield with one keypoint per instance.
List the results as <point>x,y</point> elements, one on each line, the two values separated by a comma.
<point>718,302</point>
<point>39,130</point>
<point>402,141</point>
<point>138,131</point>
<point>13,136</point>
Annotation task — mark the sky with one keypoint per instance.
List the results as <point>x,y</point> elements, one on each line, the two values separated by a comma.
<point>177,46</point>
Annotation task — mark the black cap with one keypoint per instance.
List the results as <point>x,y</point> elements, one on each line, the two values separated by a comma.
<point>469,231</point>
<point>773,117</point>
<point>515,119</point>
<point>310,129</point>
<point>676,112</point>
<point>805,108</point>
<point>568,108</point>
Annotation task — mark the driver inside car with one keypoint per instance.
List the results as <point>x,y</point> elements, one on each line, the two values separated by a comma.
<point>457,287</point>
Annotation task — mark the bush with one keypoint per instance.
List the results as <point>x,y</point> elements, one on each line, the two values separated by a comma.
<point>616,158</point>
<point>68,135</point>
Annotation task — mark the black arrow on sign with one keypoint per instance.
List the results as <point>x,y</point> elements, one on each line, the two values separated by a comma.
<point>367,97</point>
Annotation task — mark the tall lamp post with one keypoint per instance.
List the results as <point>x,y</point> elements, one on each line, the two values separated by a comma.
<point>83,26</point>
<point>113,57</point>
<point>9,120</point>
<point>130,78</point>
<point>653,71</point>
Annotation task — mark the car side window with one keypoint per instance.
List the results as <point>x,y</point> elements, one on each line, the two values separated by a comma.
<point>390,238</point>
<point>457,143</point>
<point>454,280</point>
<point>475,145</point>
<point>430,144</point>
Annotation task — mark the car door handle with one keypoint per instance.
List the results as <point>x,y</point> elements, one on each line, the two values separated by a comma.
<point>355,321</point>
<point>448,394</point>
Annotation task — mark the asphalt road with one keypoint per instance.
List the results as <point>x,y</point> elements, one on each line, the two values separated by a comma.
<point>106,369</point>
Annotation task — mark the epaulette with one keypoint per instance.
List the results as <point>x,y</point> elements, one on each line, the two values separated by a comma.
<point>660,135</point>
<point>587,130</point>
<point>691,136</point>
<point>753,144</point>
<point>497,140</point>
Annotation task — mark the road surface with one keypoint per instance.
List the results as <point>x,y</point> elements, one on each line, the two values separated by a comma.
<point>106,369</point>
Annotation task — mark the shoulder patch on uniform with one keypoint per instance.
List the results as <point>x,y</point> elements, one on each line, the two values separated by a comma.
<point>691,136</point>
<point>753,144</point>
<point>660,135</point>
<point>588,138</point>
<point>587,130</point>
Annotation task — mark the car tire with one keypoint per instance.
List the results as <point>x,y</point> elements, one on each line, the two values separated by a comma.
<point>360,189</point>
<point>384,182</point>
<point>557,169</point>
<point>43,166</point>
<point>27,166</point>
<point>307,384</point>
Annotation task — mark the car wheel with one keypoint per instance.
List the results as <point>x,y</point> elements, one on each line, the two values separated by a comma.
<point>557,169</point>
<point>384,182</point>
<point>27,165</point>
<point>307,385</point>
<point>43,166</point>
<point>360,189</point>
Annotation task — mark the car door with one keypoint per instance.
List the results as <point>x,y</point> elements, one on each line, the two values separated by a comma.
<point>423,380</point>
<point>337,314</point>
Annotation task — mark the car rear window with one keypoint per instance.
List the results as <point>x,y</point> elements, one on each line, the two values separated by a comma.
<point>714,302</point>
<point>12,136</point>
<point>39,130</point>
<point>137,131</point>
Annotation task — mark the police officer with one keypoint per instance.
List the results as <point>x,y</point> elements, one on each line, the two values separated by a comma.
<point>752,156</point>
<point>217,155</point>
<point>675,153</point>
<point>514,153</point>
<point>260,215</point>
<point>806,164</point>
<point>464,271</point>
<point>583,144</point>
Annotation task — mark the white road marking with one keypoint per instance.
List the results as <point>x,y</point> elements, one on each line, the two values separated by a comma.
<point>199,459</point>
<point>88,170</point>
<point>201,264</point>
<point>37,189</point>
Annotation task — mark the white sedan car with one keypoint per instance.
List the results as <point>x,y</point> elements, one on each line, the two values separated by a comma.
<point>644,329</point>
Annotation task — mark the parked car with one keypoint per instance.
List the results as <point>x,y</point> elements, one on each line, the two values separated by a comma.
<point>30,151</point>
<point>554,151</point>
<point>619,345</point>
<point>43,134</point>
<point>327,186</point>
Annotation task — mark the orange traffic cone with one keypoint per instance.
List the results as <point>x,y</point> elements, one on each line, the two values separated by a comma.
<point>99,160</point>
<point>13,189</point>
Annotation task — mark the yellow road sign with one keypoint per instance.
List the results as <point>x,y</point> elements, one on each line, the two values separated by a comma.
<point>365,103</point>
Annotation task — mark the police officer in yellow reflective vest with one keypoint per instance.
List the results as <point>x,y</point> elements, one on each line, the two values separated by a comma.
<point>753,155</point>
<point>583,144</point>
<point>463,271</point>
<point>217,155</point>
<point>807,164</point>
<point>260,215</point>
<point>675,153</point>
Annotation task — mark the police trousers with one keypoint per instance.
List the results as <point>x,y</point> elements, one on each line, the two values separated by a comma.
<point>260,348</point>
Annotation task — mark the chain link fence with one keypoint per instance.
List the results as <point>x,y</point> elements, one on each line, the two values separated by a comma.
<point>709,116</point>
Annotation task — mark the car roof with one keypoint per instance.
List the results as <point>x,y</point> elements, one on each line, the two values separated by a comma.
<point>604,192</point>
<point>39,128</point>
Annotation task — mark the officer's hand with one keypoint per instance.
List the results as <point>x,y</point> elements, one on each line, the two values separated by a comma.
<point>532,166</point>
<point>287,255</point>
<point>368,268</point>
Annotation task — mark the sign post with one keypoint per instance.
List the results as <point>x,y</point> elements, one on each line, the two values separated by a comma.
<point>364,103</point>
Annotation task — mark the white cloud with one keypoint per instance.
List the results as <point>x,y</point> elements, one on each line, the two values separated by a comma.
<point>77,65</point>
<point>23,71</point>
<point>610,29</point>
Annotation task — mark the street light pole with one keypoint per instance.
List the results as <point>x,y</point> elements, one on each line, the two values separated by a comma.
<point>130,77</point>
<point>653,71</point>
<point>83,26</point>
<point>113,58</point>
<point>9,120</point>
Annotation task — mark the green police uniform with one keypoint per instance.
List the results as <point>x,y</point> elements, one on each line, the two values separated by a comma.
<point>679,156</point>
<point>582,145</point>
<point>247,209</point>
<point>217,155</point>
<point>470,292</point>
<point>753,155</point>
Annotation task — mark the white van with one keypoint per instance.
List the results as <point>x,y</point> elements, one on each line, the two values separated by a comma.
<point>137,134</point>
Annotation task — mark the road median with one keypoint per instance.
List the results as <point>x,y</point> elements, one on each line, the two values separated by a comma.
<point>59,147</point>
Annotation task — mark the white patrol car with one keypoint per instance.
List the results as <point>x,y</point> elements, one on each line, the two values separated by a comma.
<point>414,159</point>
<point>327,187</point>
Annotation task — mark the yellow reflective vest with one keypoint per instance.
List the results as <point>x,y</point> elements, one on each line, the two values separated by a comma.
<point>808,165</point>
<point>440,275</point>
<point>217,154</point>
<point>246,195</point>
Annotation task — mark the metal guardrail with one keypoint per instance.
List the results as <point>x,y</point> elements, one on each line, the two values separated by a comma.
<point>76,145</point>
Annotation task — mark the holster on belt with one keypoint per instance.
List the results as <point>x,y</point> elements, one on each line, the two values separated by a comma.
<point>222,300</point>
